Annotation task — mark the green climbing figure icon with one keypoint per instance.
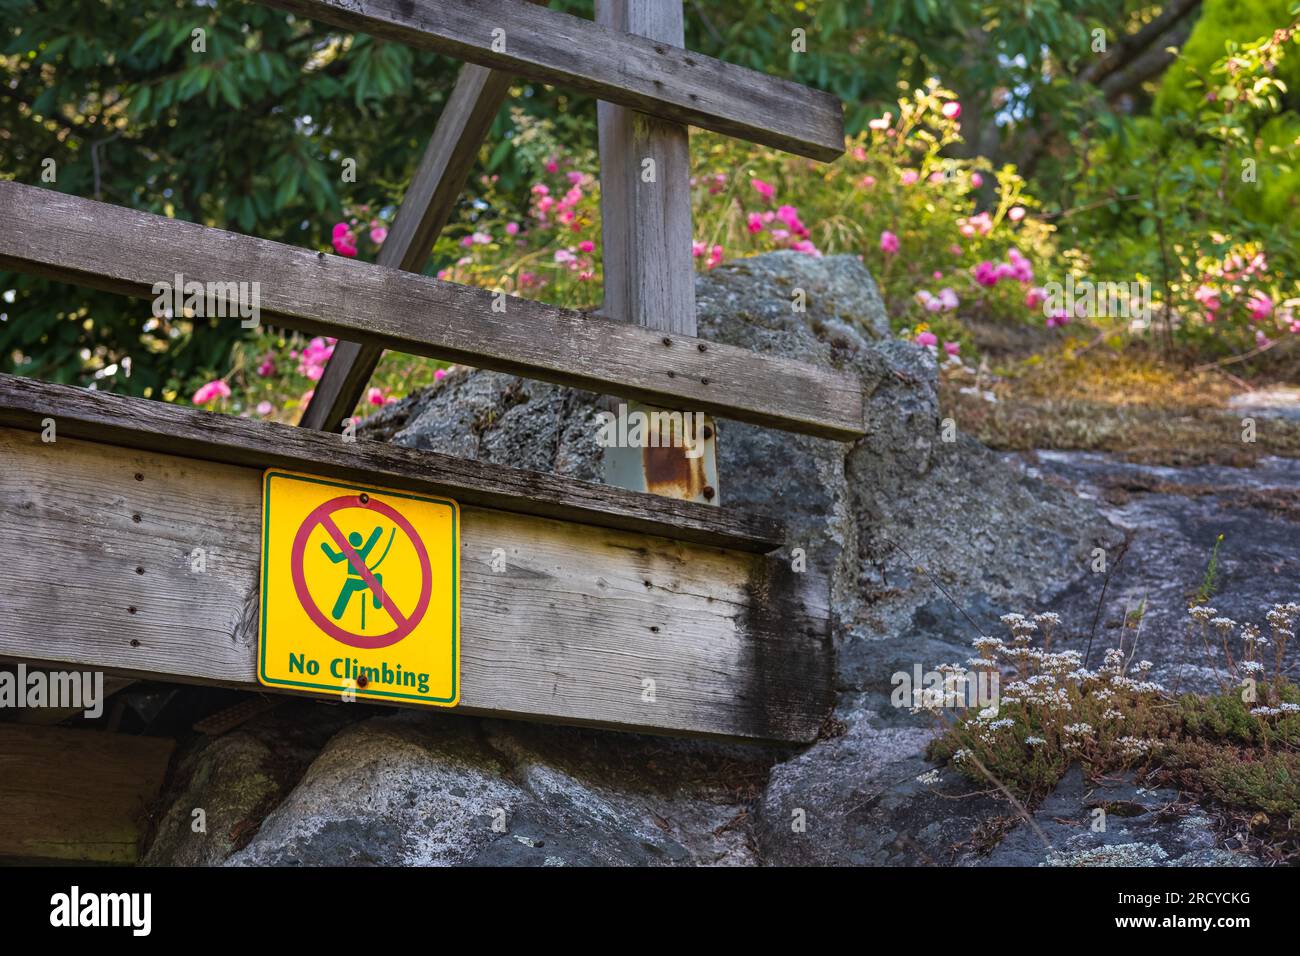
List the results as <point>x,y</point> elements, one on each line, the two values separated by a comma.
<point>355,582</point>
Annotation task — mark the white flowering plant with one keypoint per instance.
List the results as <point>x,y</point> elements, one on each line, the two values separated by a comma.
<point>1238,748</point>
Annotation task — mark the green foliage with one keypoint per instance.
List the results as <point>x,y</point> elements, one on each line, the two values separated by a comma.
<point>1222,25</point>
<point>1202,201</point>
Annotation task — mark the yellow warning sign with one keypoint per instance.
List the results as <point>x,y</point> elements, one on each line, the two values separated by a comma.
<point>360,591</point>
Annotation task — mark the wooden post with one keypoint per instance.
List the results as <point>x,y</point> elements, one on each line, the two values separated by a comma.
<point>645,208</point>
<point>645,194</point>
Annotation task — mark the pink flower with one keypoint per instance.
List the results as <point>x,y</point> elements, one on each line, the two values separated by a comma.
<point>976,180</point>
<point>266,368</point>
<point>1208,297</point>
<point>910,176</point>
<point>552,165</point>
<point>376,397</point>
<point>715,256</point>
<point>755,222</point>
<point>1262,341</point>
<point>587,246</point>
<point>888,243</point>
<point>344,243</point>
<point>952,109</point>
<point>952,348</point>
<point>439,374</point>
<point>806,247</point>
<point>1016,213</point>
<point>790,216</point>
<point>926,340</point>
<point>1035,297</point>
<point>265,408</point>
<point>1021,268</point>
<point>868,182</point>
<point>766,190</point>
<point>1058,318</point>
<point>378,235</point>
<point>1260,305</point>
<point>698,249</point>
<point>575,177</point>
<point>986,274</point>
<point>512,229</point>
<point>211,392</point>
<point>564,256</point>
<point>948,299</point>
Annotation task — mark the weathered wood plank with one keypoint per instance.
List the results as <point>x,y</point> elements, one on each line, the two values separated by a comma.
<point>157,426</point>
<point>649,278</point>
<point>72,794</point>
<point>426,207</point>
<point>650,76</point>
<point>122,250</point>
<point>568,633</point>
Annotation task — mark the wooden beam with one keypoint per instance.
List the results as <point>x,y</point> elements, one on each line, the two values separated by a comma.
<point>735,643</point>
<point>426,208</point>
<point>122,250</point>
<point>649,276</point>
<point>72,794</point>
<point>158,426</point>
<point>647,75</point>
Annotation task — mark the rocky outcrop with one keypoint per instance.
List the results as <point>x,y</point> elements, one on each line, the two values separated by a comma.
<point>921,542</point>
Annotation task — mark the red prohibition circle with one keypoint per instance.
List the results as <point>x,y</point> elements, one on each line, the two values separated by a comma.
<point>362,641</point>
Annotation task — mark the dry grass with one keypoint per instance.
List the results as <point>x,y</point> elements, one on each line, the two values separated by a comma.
<point>1118,397</point>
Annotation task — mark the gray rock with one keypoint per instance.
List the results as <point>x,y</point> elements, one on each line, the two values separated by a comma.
<point>413,790</point>
<point>236,780</point>
<point>863,799</point>
<point>1135,827</point>
<point>1170,518</point>
<point>232,783</point>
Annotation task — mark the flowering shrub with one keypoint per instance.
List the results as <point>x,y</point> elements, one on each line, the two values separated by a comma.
<point>910,212</point>
<point>1199,199</point>
<point>948,240</point>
